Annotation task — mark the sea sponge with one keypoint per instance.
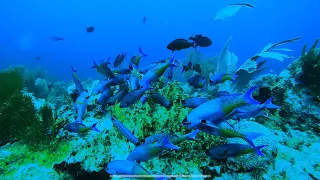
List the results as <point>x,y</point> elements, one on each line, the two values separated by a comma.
<point>41,88</point>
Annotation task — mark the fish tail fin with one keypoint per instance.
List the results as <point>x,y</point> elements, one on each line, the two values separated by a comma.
<point>193,134</point>
<point>168,145</point>
<point>73,69</point>
<point>108,60</point>
<point>248,96</point>
<point>143,99</point>
<point>234,77</point>
<point>94,128</point>
<point>147,85</point>
<point>140,52</point>
<point>171,62</point>
<point>95,65</point>
<point>183,69</point>
<point>249,137</point>
<point>268,104</point>
<point>258,150</point>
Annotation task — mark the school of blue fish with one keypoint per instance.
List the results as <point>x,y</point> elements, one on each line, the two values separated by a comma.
<point>129,85</point>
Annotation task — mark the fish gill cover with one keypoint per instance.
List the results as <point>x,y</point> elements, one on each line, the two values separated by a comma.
<point>192,90</point>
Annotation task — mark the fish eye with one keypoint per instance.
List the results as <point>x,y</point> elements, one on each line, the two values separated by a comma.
<point>185,122</point>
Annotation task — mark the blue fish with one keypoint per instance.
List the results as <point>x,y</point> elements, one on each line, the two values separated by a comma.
<point>102,86</point>
<point>121,70</point>
<point>134,82</point>
<point>81,105</point>
<point>127,168</point>
<point>80,128</point>
<point>133,96</point>
<point>197,81</point>
<point>155,73</point>
<point>104,97</point>
<point>158,98</point>
<point>194,102</point>
<point>103,69</point>
<point>145,152</point>
<point>225,132</point>
<point>249,111</point>
<point>118,96</point>
<point>135,60</point>
<point>56,38</point>
<point>119,59</point>
<point>77,82</point>
<point>219,109</point>
<point>174,139</point>
<point>121,78</point>
<point>221,78</point>
<point>231,150</point>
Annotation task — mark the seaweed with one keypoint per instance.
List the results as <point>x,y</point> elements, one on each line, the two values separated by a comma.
<point>311,69</point>
<point>18,117</point>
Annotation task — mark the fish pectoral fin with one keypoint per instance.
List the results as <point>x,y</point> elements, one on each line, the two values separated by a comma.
<point>225,152</point>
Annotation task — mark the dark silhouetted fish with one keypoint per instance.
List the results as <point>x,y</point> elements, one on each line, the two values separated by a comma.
<point>56,38</point>
<point>201,41</point>
<point>119,59</point>
<point>103,69</point>
<point>38,58</point>
<point>242,4</point>
<point>90,29</point>
<point>180,44</point>
<point>197,81</point>
<point>144,19</point>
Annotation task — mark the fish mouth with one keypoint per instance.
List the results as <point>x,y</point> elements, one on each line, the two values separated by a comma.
<point>185,122</point>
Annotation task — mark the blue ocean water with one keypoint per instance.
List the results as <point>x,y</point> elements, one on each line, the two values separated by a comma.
<point>26,26</point>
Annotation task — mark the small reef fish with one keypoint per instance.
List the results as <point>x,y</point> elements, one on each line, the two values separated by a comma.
<point>174,139</point>
<point>158,98</point>
<point>197,81</point>
<point>56,38</point>
<point>134,82</point>
<point>194,102</point>
<point>102,86</point>
<point>221,78</point>
<point>121,78</point>
<point>123,130</point>
<point>127,168</point>
<point>81,105</point>
<point>38,58</point>
<point>135,60</point>
<point>103,69</point>
<point>145,152</point>
<point>77,82</point>
<point>179,44</point>
<point>90,29</point>
<point>223,131</point>
<point>231,150</point>
<point>80,128</point>
<point>121,70</point>
<point>144,19</point>
<point>155,73</point>
<point>201,41</point>
<point>186,68</point>
<point>133,96</point>
<point>104,97</point>
<point>119,59</point>
<point>249,111</point>
<point>118,96</point>
<point>218,109</point>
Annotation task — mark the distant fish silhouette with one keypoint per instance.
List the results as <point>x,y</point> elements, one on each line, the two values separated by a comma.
<point>38,58</point>
<point>90,29</point>
<point>56,38</point>
<point>144,19</point>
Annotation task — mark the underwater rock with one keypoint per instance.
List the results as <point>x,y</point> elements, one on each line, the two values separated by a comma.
<point>251,162</point>
<point>41,88</point>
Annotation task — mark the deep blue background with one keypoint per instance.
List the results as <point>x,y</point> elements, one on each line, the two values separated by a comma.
<point>26,26</point>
